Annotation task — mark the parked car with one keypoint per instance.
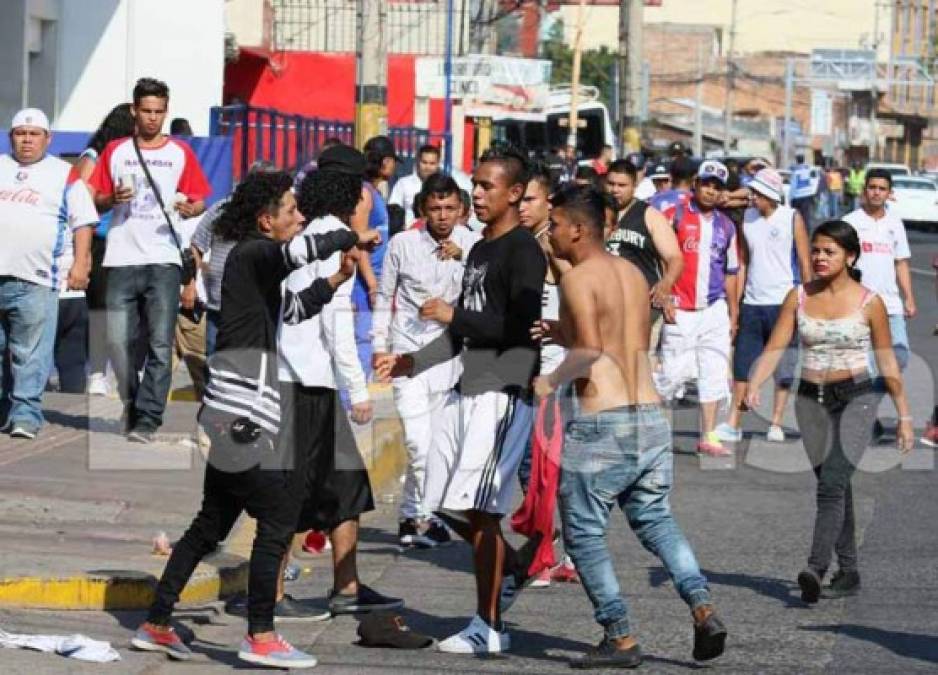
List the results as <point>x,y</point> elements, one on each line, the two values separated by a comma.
<point>893,169</point>
<point>915,199</point>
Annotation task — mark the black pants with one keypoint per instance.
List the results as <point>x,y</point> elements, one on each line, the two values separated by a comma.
<point>260,492</point>
<point>835,427</point>
<point>97,304</point>
<point>71,345</point>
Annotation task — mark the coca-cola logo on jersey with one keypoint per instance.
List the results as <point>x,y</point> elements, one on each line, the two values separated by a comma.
<point>691,245</point>
<point>21,196</point>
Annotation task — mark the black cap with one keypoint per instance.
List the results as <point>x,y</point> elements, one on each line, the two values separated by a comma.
<point>387,629</point>
<point>683,168</point>
<point>677,148</point>
<point>382,146</point>
<point>342,159</point>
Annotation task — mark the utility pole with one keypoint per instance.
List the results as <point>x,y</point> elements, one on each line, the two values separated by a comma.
<point>573,120</point>
<point>730,83</point>
<point>631,18</point>
<point>371,77</point>
<point>698,104</point>
<point>786,129</point>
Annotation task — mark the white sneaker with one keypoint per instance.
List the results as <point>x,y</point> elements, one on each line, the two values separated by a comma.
<point>775,434</point>
<point>728,434</point>
<point>97,384</point>
<point>476,638</point>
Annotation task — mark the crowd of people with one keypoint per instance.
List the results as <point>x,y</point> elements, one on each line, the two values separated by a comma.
<point>534,324</point>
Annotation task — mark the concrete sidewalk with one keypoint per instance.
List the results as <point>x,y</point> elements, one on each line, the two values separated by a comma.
<point>80,506</point>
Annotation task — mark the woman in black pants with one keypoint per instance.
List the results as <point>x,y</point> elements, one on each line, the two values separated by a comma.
<point>838,321</point>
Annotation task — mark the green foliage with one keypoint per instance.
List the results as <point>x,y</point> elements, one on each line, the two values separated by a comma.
<point>597,66</point>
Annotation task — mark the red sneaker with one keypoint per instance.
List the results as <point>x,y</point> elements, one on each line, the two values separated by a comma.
<point>565,573</point>
<point>542,579</point>
<point>316,542</point>
<point>930,437</point>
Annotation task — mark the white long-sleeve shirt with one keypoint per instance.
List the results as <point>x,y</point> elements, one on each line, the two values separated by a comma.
<point>321,351</point>
<point>404,193</point>
<point>412,275</point>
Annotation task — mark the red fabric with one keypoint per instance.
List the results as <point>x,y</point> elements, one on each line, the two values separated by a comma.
<point>535,516</point>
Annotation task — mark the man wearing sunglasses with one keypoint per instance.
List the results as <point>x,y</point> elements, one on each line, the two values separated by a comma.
<point>697,344</point>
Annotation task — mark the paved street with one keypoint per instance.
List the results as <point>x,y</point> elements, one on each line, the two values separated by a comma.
<point>748,520</point>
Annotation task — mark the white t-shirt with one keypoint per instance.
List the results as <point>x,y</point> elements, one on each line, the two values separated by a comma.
<point>773,263</point>
<point>882,243</point>
<point>38,204</point>
<point>138,234</point>
<point>645,189</point>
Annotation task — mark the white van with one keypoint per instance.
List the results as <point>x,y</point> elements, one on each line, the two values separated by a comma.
<point>550,131</point>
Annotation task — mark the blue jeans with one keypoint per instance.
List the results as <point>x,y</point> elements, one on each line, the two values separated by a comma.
<point>28,315</point>
<point>900,345</point>
<point>622,456</point>
<point>212,319</point>
<point>151,291</point>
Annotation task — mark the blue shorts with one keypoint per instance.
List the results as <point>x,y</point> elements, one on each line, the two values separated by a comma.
<point>755,326</point>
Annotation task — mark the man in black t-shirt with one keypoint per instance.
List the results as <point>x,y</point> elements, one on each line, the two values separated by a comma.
<point>479,435</point>
<point>645,238</point>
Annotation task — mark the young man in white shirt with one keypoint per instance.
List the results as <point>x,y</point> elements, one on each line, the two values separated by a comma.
<point>143,258</point>
<point>884,260</point>
<point>421,264</point>
<point>328,480</point>
<point>39,205</point>
<point>774,257</point>
<point>405,191</point>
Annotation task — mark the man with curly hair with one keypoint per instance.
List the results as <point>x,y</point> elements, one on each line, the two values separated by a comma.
<point>329,484</point>
<point>480,432</point>
<point>241,410</point>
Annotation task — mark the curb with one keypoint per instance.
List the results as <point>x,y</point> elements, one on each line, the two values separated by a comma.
<point>217,577</point>
<point>221,576</point>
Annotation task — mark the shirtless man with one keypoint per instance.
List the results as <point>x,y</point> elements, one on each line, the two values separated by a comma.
<point>617,446</point>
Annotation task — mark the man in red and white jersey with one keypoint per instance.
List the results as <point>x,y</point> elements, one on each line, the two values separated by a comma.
<point>41,212</point>
<point>697,344</point>
<point>143,260</point>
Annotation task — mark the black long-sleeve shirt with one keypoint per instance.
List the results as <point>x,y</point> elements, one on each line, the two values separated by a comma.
<point>243,379</point>
<point>500,301</point>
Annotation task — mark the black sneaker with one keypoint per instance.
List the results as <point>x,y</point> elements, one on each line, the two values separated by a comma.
<point>843,585</point>
<point>409,536</point>
<point>810,584</point>
<point>709,638</point>
<point>606,655</point>
<point>366,600</point>
<point>287,610</point>
<point>438,534</point>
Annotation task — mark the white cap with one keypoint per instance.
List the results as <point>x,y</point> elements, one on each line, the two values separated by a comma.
<point>30,117</point>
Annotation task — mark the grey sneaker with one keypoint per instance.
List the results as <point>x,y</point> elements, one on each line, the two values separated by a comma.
<point>276,653</point>
<point>366,600</point>
<point>287,610</point>
<point>149,640</point>
<point>145,436</point>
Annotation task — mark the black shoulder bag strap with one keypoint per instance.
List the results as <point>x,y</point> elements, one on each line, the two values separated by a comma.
<point>185,256</point>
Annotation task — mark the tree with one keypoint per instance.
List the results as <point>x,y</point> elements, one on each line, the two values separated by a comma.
<point>597,66</point>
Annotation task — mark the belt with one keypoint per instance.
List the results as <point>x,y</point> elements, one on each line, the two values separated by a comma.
<point>840,391</point>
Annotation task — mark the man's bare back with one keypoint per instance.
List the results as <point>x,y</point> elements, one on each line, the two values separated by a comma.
<point>604,307</point>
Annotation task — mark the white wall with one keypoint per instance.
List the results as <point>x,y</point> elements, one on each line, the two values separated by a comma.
<point>107,44</point>
<point>245,18</point>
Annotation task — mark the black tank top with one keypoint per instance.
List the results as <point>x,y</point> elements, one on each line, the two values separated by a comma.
<point>632,241</point>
